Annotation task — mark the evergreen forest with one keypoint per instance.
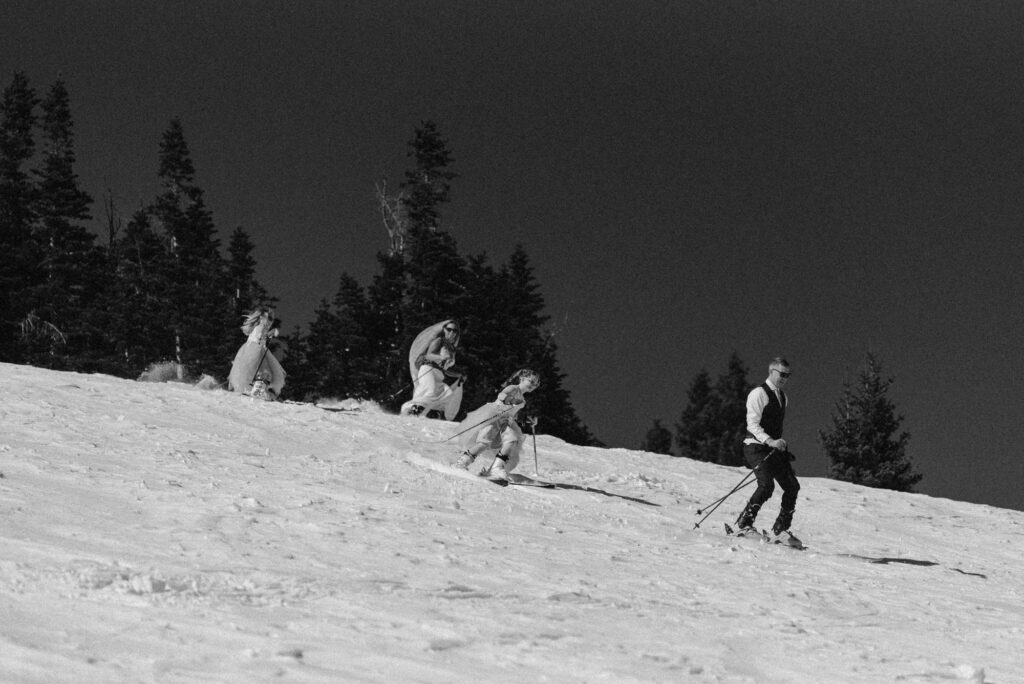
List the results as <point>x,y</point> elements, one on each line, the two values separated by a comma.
<point>161,285</point>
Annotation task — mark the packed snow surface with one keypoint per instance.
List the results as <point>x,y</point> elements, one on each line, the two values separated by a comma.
<point>165,533</point>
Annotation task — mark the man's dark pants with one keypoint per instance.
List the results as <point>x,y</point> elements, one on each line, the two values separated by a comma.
<point>774,468</point>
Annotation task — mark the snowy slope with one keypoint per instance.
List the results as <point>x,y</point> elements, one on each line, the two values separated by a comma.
<point>159,532</point>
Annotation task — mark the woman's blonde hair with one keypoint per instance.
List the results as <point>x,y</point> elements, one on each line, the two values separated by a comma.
<point>522,374</point>
<point>252,319</point>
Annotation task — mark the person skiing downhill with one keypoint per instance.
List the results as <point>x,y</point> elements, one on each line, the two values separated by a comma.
<point>431,359</point>
<point>255,370</point>
<point>766,452</point>
<point>499,427</point>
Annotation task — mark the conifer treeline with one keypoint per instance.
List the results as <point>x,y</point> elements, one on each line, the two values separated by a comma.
<point>159,290</point>
<point>864,445</point>
<point>162,289</point>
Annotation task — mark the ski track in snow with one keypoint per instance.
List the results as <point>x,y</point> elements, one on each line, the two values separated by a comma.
<point>158,532</point>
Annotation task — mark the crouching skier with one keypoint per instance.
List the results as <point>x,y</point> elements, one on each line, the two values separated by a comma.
<point>431,360</point>
<point>499,427</point>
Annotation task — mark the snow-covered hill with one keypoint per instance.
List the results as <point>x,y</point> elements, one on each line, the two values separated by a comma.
<point>163,533</point>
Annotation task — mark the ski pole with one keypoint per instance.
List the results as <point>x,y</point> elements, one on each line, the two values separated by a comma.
<point>266,347</point>
<point>742,483</point>
<point>713,506</point>
<point>408,385</point>
<point>404,387</point>
<point>533,430</point>
<point>482,422</point>
<point>258,365</point>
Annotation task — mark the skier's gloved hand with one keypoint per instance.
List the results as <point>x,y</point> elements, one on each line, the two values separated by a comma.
<point>530,420</point>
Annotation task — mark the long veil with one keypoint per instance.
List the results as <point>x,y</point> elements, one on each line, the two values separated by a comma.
<point>420,344</point>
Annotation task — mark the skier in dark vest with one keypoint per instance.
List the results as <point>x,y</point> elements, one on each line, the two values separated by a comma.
<point>766,451</point>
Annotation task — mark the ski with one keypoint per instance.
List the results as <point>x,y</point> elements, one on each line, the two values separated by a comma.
<point>337,409</point>
<point>787,538</point>
<point>333,409</point>
<point>746,534</point>
<point>524,481</point>
<point>421,460</point>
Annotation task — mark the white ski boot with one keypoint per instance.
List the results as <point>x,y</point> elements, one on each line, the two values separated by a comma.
<point>465,460</point>
<point>497,471</point>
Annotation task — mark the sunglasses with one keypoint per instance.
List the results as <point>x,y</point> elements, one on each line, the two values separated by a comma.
<point>784,375</point>
<point>454,330</point>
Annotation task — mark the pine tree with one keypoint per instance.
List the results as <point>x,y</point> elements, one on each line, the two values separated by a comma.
<point>18,266</point>
<point>421,280</point>
<point>321,355</point>
<point>72,267</point>
<point>485,353</point>
<point>732,389</point>
<point>199,298</point>
<point>385,327</point>
<point>508,334</point>
<point>102,350</point>
<point>434,268</point>
<point>552,403</point>
<point>244,291</point>
<point>436,279</point>
<point>498,331</point>
<point>524,309</point>
<point>428,183</point>
<point>697,425</point>
<point>302,375</point>
<point>658,440</point>
<point>863,446</point>
<point>338,350</point>
<point>352,312</point>
<point>713,422</point>
<point>139,325</point>
<point>62,203</point>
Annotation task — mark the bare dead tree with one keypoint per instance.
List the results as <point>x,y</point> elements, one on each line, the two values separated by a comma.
<point>114,220</point>
<point>392,212</point>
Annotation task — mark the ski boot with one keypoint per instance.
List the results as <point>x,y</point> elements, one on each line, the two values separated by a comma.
<point>781,533</point>
<point>782,522</point>
<point>497,470</point>
<point>745,523</point>
<point>259,390</point>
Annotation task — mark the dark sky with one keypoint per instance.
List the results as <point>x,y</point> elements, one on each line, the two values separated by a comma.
<point>813,179</point>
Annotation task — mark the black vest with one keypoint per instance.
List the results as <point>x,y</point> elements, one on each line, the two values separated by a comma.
<point>774,413</point>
